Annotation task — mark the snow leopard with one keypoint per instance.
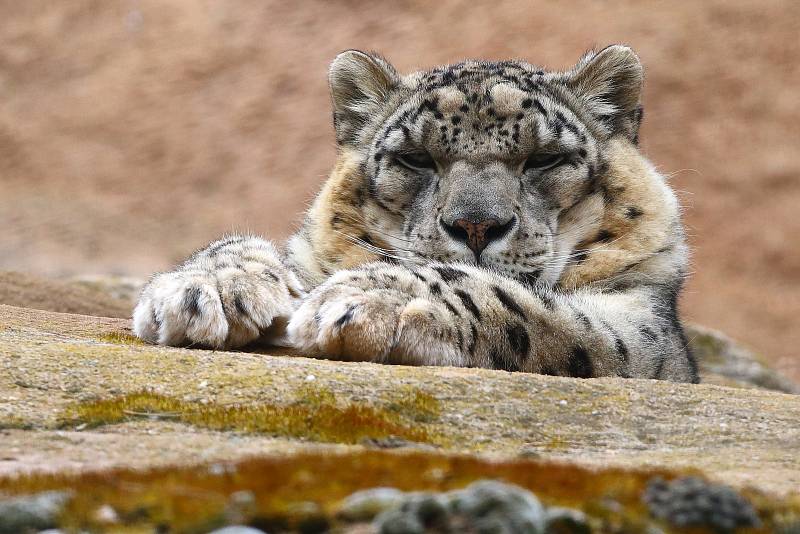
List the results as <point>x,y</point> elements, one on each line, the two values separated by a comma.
<point>488,214</point>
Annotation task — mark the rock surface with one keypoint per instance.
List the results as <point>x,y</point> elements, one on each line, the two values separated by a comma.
<point>724,362</point>
<point>54,366</point>
<point>105,298</point>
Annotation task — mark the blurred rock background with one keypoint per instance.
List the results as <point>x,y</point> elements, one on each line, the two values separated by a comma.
<point>134,131</point>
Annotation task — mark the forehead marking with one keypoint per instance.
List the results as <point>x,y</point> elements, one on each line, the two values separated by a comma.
<point>507,98</point>
<point>450,99</point>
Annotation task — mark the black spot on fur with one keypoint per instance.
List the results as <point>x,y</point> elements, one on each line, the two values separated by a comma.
<point>547,300</point>
<point>621,348</point>
<point>591,178</point>
<point>667,309</point>
<point>662,359</point>
<point>240,306</point>
<point>450,274</point>
<point>452,309</point>
<point>632,212</point>
<point>580,365</point>
<point>648,333</point>
<point>436,289</point>
<point>345,318</point>
<point>508,302</point>
<point>519,340</point>
<point>217,247</point>
<point>474,340</point>
<point>270,274</point>
<point>361,196</point>
<point>500,362</point>
<point>469,304</point>
<point>547,370</point>
<point>156,320</point>
<point>191,301</point>
<point>583,319</point>
<point>580,255</point>
<point>527,103</point>
<point>605,236</point>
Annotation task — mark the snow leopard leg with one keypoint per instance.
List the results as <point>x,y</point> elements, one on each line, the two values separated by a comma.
<point>466,316</point>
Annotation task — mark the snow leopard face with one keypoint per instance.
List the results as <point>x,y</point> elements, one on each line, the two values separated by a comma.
<point>499,164</point>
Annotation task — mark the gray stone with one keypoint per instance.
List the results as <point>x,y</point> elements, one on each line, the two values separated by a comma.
<point>237,530</point>
<point>31,512</point>
<point>566,521</point>
<point>365,505</point>
<point>491,506</point>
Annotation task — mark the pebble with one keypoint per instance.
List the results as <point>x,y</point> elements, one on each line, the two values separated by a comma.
<point>566,521</point>
<point>486,506</point>
<point>240,505</point>
<point>365,505</point>
<point>31,512</point>
<point>236,529</point>
<point>106,514</point>
<point>692,501</point>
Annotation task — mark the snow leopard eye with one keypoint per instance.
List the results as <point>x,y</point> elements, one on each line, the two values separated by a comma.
<point>416,161</point>
<point>543,162</point>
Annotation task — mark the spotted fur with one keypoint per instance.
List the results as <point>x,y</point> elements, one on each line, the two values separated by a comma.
<point>483,214</point>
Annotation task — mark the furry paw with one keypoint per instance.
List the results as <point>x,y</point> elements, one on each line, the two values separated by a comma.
<point>221,309</point>
<point>378,315</point>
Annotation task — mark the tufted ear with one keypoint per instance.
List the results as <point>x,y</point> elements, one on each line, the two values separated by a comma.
<point>360,84</point>
<point>610,82</point>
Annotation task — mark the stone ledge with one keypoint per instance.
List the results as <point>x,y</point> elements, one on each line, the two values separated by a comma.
<point>54,362</point>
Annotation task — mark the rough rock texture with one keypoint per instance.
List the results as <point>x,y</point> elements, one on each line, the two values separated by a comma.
<point>724,362</point>
<point>18,289</point>
<point>52,364</point>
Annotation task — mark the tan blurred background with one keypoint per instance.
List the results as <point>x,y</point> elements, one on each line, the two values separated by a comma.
<point>132,132</point>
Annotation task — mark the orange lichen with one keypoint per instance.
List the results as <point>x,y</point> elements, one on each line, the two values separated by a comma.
<point>421,406</point>
<point>120,338</point>
<point>315,416</point>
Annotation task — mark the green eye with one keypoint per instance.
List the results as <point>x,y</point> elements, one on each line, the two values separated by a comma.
<point>416,161</point>
<point>543,162</point>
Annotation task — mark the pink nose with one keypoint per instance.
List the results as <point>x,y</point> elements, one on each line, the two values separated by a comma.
<point>478,234</point>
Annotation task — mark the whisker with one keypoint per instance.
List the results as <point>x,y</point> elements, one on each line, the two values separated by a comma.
<point>362,221</point>
<point>387,253</point>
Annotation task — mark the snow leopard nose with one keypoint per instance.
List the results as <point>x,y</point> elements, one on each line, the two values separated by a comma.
<point>478,234</point>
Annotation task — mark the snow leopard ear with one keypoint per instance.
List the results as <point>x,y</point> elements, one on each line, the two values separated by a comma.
<point>360,84</point>
<point>610,83</point>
